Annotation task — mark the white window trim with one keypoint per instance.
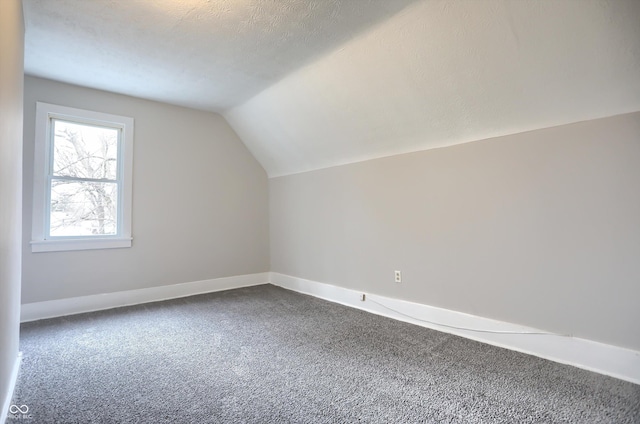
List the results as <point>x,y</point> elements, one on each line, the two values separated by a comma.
<point>40,242</point>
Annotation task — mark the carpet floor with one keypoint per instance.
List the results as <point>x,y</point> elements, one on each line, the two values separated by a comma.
<point>268,355</point>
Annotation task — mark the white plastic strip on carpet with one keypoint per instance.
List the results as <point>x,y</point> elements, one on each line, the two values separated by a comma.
<point>582,353</point>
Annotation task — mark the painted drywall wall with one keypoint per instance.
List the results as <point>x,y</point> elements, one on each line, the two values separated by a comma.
<point>200,202</point>
<point>11,87</point>
<point>540,228</point>
<point>445,72</point>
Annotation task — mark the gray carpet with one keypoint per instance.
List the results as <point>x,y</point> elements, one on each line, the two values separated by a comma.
<point>263,354</point>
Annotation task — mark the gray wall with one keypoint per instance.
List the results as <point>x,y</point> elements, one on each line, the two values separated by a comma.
<point>200,202</point>
<point>11,86</point>
<point>540,228</point>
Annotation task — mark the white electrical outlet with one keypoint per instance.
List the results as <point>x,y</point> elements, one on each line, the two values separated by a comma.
<point>398,276</point>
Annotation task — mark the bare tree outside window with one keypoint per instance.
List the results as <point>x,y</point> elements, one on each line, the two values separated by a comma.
<point>84,190</point>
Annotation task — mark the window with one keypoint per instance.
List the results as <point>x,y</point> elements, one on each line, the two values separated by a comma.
<point>82,180</point>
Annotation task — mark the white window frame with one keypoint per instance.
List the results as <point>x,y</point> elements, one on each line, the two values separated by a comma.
<point>41,241</point>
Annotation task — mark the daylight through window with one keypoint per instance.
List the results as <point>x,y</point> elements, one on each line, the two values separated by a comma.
<point>82,186</point>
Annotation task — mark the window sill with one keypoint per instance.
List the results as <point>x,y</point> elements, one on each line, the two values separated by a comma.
<point>59,245</point>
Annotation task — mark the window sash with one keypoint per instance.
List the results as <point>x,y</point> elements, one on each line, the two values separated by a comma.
<point>49,236</point>
<point>51,176</point>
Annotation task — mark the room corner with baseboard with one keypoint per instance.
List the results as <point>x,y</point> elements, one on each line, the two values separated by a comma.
<point>265,354</point>
<point>319,211</point>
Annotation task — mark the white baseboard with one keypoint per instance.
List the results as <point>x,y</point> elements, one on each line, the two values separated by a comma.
<point>6,402</point>
<point>77,305</point>
<point>582,353</point>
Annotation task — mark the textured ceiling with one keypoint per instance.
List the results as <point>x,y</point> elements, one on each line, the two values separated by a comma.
<point>309,84</point>
<point>207,54</point>
<point>448,72</point>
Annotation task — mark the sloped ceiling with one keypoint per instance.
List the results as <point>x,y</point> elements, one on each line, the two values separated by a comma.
<point>309,84</point>
<point>448,72</point>
<point>205,54</point>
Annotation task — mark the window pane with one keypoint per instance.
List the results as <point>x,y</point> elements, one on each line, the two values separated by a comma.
<point>84,151</point>
<point>80,208</point>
